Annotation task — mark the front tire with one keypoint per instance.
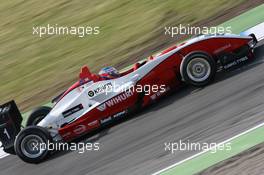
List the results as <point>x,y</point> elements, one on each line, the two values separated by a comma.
<point>37,115</point>
<point>198,69</point>
<point>31,144</point>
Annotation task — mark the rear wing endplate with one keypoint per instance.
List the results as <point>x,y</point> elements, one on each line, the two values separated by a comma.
<point>10,124</point>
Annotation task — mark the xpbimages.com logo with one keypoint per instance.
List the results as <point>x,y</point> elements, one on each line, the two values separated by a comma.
<point>61,146</point>
<point>79,31</point>
<point>173,147</point>
<point>173,31</point>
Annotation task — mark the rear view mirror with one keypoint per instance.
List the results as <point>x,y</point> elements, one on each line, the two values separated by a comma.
<point>85,73</point>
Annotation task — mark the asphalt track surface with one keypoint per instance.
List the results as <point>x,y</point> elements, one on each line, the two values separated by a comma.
<point>215,113</point>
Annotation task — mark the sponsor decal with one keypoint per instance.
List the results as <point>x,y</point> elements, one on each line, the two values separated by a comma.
<point>93,123</point>
<point>83,128</point>
<point>118,99</point>
<point>102,107</point>
<point>72,110</point>
<point>114,101</point>
<point>67,134</point>
<point>79,129</point>
<point>115,116</point>
<point>236,62</point>
<point>100,89</point>
<point>222,48</point>
<point>106,120</point>
<point>90,93</point>
<point>159,93</point>
<point>120,114</point>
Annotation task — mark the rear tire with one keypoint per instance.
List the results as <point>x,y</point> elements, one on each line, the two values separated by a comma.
<point>198,69</point>
<point>37,115</point>
<point>31,144</point>
<point>10,150</point>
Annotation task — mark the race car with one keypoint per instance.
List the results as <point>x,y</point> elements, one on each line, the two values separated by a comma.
<point>95,101</point>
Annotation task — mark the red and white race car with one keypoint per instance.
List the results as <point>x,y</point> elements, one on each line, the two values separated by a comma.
<point>93,102</point>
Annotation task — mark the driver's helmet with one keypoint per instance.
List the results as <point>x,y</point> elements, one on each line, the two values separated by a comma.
<point>109,73</point>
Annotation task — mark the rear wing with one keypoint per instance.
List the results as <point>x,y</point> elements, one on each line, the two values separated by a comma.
<point>257,30</point>
<point>10,124</point>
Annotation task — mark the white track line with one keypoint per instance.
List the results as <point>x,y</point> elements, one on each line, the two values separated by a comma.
<point>257,30</point>
<point>200,153</point>
<point>2,153</point>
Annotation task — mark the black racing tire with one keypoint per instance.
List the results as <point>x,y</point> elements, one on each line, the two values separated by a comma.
<point>25,141</point>
<point>254,38</point>
<point>198,69</point>
<point>37,115</point>
<point>10,150</point>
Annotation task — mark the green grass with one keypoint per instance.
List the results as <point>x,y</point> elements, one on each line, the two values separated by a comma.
<point>238,145</point>
<point>246,20</point>
<point>34,69</point>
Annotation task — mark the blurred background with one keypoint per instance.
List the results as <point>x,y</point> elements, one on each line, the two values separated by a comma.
<point>34,69</point>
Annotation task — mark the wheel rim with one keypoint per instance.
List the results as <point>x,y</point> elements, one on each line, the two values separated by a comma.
<point>31,146</point>
<point>198,69</point>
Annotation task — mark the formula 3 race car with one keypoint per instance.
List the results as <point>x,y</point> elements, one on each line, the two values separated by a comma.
<point>93,102</point>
